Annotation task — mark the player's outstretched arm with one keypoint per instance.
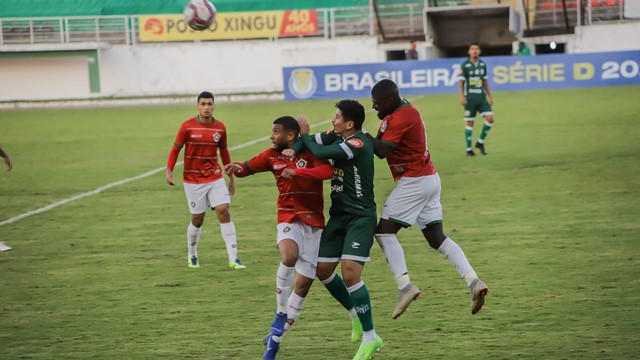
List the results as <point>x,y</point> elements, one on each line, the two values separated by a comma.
<point>322,172</point>
<point>333,151</point>
<point>381,149</point>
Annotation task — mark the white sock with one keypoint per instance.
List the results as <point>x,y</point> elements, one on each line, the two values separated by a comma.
<point>294,308</point>
<point>284,281</point>
<point>228,231</point>
<point>395,258</point>
<point>193,235</point>
<point>454,253</point>
<point>469,277</point>
<point>369,336</point>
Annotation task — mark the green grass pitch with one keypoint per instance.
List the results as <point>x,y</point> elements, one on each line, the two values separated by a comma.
<point>549,219</point>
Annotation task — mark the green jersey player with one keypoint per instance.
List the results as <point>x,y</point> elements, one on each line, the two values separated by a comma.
<point>348,235</point>
<point>473,87</point>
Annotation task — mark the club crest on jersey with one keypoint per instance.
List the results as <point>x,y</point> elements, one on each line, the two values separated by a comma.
<point>286,229</point>
<point>356,143</point>
<point>301,163</point>
<point>216,137</point>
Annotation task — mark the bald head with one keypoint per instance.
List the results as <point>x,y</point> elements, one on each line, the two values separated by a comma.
<point>385,87</point>
<point>385,97</point>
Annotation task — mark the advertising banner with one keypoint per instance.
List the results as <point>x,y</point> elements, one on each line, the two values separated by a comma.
<point>506,73</point>
<point>227,26</point>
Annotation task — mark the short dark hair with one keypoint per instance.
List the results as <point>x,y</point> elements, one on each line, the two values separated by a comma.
<point>288,124</point>
<point>385,87</point>
<point>205,95</point>
<point>473,43</point>
<point>352,110</point>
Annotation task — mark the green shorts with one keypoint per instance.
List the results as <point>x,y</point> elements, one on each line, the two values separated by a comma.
<point>347,237</point>
<point>476,104</point>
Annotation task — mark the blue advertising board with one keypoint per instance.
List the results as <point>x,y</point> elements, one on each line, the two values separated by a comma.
<point>506,73</point>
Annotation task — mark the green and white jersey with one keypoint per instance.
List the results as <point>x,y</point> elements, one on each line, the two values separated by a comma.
<point>352,182</point>
<point>472,75</point>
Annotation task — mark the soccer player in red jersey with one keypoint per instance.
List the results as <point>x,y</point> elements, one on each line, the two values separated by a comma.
<point>402,140</point>
<point>300,220</point>
<point>202,137</point>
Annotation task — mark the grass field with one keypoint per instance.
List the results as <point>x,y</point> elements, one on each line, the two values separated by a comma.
<point>549,219</point>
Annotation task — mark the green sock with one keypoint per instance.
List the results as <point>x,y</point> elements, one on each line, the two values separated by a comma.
<point>485,130</point>
<point>338,290</point>
<point>467,136</point>
<point>363,307</point>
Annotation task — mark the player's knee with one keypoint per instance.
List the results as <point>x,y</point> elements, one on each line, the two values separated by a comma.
<point>223,213</point>
<point>489,119</point>
<point>434,235</point>
<point>197,220</point>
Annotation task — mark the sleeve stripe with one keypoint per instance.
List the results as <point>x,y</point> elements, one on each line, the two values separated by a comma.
<point>319,138</point>
<point>347,150</point>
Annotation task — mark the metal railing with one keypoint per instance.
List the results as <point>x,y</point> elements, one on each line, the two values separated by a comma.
<point>397,20</point>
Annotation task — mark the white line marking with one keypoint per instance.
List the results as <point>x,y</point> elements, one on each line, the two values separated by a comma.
<point>121,182</point>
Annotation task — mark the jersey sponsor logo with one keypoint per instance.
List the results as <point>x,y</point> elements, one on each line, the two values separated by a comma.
<point>357,182</point>
<point>278,167</point>
<point>383,126</point>
<point>196,135</point>
<point>302,163</point>
<point>356,143</point>
<point>337,188</point>
<point>355,245</point>
<point>216,137</point>
<point>362,308</point>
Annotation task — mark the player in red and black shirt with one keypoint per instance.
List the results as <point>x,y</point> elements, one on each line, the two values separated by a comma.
<point>402,140</point>
<point>203,137</point>
<point>300,220</point>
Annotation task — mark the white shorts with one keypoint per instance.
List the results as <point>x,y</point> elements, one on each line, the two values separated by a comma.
<point>201,196</point>
<point>414,200</point>
<point>308,240</point>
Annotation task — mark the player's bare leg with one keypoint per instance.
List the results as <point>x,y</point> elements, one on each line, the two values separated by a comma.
<point>452,251</point>
<point>393,252</point>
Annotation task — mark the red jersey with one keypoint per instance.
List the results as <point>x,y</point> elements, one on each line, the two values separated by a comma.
<point>404,130</point>
<point>201,143</point>
<point>299,198</point>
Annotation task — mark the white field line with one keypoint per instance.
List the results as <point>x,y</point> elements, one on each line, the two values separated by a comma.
<point>121,182</point>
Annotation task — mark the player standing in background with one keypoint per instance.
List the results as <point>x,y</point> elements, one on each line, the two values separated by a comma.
<point>348,236</point>
<point>473,87</point>
<point>204,184</point>
<point>402,140</point>
<point>300,209</point>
